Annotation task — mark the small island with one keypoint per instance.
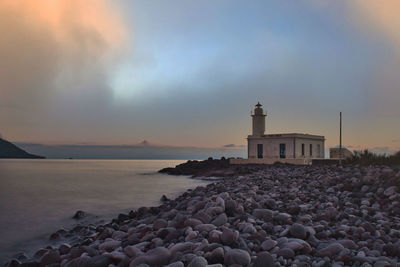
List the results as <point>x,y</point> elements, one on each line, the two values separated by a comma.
<point>10,151</point>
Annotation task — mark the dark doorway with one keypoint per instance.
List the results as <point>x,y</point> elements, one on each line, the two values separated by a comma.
<point>259,151</point>
<point>282,151</point>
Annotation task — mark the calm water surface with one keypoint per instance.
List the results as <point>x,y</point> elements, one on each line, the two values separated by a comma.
<point>38,197</point>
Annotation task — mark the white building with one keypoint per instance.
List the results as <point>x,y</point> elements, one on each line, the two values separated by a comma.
<point>292,148</point>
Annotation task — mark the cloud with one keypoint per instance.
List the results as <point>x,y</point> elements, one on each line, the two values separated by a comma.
<point>53,55</point>
<point>230,145</point>
<point>234,146</point>
<point>384,15</point>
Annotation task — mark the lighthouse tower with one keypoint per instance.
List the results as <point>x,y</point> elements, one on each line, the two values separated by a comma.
<point>258,120</point>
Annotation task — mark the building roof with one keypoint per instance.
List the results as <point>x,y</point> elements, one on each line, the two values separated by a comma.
<point>289,135</point>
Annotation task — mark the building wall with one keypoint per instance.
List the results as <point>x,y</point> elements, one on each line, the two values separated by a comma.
<point>318,152</point>
<point>293,147</point>
<point>270,147</point>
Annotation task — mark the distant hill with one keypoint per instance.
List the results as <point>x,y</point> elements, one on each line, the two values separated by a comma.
<point>143,150</point>
<point>9,150</point>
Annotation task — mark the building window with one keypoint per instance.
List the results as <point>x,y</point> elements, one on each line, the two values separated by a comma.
<point>303,149</point>
<point>282,151</point>
<point>310,149</point>
<point>319,150</point>
<point>260,151</point>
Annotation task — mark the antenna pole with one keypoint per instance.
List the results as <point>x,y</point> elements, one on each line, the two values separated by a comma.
<point>340,140</point>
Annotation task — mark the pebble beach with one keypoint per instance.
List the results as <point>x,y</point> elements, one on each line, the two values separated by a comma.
<point>276,215</point>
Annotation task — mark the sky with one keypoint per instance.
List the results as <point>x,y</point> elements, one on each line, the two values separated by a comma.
<point>188,73</point>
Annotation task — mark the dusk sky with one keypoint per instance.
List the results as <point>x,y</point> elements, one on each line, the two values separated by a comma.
<point>188,73</point>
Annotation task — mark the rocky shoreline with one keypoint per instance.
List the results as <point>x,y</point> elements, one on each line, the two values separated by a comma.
<point>271,216</point>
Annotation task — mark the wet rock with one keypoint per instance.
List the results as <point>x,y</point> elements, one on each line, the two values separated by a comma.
<point>38,254</point>
<point>30,264</point>
<point>64,248</point>
<point>164,198</point>
<point>13,263</point>
<point>53,256</point>
<point>79,215</point>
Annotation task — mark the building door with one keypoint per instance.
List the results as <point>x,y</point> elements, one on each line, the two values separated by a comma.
<point>260,151</point>
<point>282,151</point>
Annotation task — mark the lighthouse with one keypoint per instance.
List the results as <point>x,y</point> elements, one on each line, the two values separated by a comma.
<point>294,148</point>
<point>258,120</point>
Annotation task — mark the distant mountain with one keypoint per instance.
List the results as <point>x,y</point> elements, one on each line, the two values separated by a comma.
<point>143,150</point>
<point>9,150</point>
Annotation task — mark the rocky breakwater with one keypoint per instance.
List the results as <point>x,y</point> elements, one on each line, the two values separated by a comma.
<point>277,216</point>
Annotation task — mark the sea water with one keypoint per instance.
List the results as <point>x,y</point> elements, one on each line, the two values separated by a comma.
<point>38,197</point>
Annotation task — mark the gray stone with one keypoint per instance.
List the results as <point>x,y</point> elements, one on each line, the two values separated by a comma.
<point>176,264</point>
<point>205,227</point>
<point>237,256</point>
<point>198,262</point>
<point>53,256</point>
<point>109,245</point>
<point>159,223</point>
<point>331,250</point>
<point>64,248</point>
<point>155,257</point>
<point>220,220</point>
<point>390,191</point>
<point>297,230</point>
<point>283,218</point>
<point>268,244</point>
<point>287,253</point>
<point>229,236</point>
<point>263,214</point>
<point>216,256</point>
<point>264,259</point>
